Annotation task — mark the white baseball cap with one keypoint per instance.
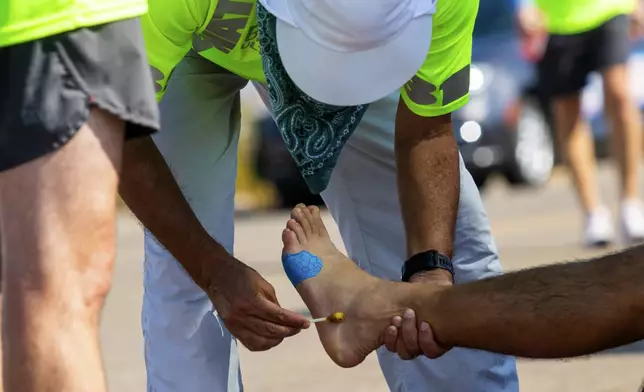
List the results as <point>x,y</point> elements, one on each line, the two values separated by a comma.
<point>352,52</point>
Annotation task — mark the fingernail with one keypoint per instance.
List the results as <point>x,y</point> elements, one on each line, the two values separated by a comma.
<point>409,314</point>
<point>424,327</point>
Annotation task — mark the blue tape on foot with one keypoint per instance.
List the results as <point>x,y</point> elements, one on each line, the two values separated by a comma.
<point>301,266</point>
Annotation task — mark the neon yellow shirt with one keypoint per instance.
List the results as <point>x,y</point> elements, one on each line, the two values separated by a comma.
<point>226,33</point>
<point>28,20</point>
<point>576,16</point>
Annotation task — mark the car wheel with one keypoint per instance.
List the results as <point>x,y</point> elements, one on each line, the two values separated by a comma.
<point>532,155</point>
<point>480,178</point>
<point>293,192</point>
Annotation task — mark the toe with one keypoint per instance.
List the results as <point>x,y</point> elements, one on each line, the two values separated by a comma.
<point>297,210</point>
<point>303,217</point>
<point>317,223</point>
<point>297,230</point>
<point>290,241</point>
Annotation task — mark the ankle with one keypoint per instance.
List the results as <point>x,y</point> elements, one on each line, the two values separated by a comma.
<point>423,298</point>
<point>631,201</point>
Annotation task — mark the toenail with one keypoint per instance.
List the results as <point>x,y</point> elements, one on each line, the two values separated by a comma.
<point>424,327</point>
<point>409,314</point>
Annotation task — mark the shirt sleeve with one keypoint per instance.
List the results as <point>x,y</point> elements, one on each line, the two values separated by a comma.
<point>442,84</point>
<point>168,29</point>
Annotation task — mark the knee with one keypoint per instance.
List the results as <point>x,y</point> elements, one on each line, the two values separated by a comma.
<point>96,279</point>
<point>618,99</point>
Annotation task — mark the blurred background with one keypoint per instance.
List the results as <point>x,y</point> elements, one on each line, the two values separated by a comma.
<point>505,135</point>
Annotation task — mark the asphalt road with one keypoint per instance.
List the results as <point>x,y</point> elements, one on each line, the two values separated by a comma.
<point>531,228</point>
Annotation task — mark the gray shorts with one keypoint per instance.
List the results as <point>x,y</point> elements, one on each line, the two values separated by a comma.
<point>48,86</point>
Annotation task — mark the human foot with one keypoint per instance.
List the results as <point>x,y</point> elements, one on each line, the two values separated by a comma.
<point>599,228</point>
<point>329,282</point>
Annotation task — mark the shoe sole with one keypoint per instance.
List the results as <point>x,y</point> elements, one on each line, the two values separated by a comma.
<point>628,240</point>
<point>599,244</point>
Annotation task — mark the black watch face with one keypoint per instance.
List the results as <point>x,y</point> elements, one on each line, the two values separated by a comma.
<point>426,261</point>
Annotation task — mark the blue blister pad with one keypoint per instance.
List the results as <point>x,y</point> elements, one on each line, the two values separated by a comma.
<point>301,266</point>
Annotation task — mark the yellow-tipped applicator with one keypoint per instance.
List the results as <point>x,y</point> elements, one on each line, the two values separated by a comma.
<point>334,318</point>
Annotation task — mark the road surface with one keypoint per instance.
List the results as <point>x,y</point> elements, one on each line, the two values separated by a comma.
<point>531,228</point>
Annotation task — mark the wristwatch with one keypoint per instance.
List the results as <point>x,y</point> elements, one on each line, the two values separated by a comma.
<point>426,261</point>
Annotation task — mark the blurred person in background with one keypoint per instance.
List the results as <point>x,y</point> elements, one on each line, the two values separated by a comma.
<point>74,84</point>
<point>585,36</point>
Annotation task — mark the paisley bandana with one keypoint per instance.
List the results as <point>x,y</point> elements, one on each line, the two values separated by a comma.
<point>314,132</point>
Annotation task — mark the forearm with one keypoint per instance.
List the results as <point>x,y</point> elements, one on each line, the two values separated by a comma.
<point>427,163</point>
<point>554,311</point>
<point>151,192</point>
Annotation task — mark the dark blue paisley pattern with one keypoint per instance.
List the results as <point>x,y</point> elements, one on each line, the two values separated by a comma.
<point>314,132</point>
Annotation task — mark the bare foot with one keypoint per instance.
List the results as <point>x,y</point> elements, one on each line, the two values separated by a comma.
<point>340,286</point>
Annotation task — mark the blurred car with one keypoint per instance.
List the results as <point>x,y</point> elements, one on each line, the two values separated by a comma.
<point>275,164</point>
<point>507,127</point>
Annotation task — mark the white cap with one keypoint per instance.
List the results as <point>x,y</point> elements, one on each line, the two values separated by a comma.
<point>352,52</point>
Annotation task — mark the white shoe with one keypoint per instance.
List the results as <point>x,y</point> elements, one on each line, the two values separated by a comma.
<point>599,230</point>
<point>633,220</point>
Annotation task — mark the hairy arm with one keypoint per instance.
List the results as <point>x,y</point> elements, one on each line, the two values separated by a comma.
<point>147,185</point>
<point>246,301</point>
<point>427,161</point>
<point>150,190</point>
<point>555,311</point>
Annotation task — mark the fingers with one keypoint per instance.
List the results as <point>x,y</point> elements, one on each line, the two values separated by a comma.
<point>390,338</point>
<point>268,308</point>
<point>404,338</point>
<point>263,328</point>
<point>254,342</point>
<point>407,344</point>
<point>272,312</point>
<point>428,344</point>
<point>410,333</point>
<point>259,334</point>
<point>262,323</point>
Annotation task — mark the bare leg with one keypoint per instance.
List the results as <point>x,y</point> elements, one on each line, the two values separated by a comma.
<point>576,143</point>
<point>626,127</point>
<point>57,216</point>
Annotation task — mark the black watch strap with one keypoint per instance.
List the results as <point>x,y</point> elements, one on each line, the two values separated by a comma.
<point>426,261</point>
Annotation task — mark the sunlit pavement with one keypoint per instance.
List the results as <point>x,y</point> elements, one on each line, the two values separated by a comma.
<point>531,228</point>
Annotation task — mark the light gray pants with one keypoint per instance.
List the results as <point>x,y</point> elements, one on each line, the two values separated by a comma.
<point>184,345</point>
